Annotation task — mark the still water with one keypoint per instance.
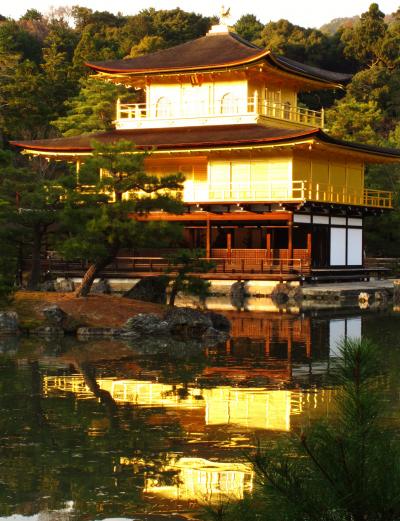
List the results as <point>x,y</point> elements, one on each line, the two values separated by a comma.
<point>99,430</point>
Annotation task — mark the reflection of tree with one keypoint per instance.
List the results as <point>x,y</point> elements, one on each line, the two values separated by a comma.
<point>52,447</point>
<point>178,371</point>
<point>89,375</point>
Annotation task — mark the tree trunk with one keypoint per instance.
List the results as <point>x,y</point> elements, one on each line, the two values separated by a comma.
<point>36,271</point>
<point>94,269</point>
<point>172,295</point>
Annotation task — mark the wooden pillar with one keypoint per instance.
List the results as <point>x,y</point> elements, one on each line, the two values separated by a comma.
<point>308,346</point>
<point>309,247</point>
<point>208,239</point>
<point>268,245</point>
<point>229,243</point>
<point>290,240</point>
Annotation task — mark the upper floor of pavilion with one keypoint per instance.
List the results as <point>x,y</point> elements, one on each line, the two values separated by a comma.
<point>218,79</point>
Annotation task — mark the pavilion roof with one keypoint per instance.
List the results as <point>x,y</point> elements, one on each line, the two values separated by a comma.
<point>212,52</point>
<point>198,137</point>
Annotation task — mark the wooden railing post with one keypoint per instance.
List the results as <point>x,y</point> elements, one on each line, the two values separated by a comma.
<point>118,109</point>
<point>208,239</point>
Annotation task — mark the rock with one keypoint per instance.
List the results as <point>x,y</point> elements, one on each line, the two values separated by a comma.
<point>105,332</point>
<point>48,331</point>
<point>239,295</point>
<point>102,287</point>
<point>150,289</point>
<point>187,322</point>
<point>64,286</point>
<point>214,337</point>
<point>147,324</point>
<point>9,323</point>
<point>219,322</point>
<point>54,315</point>
<point>47,285</point>
<point>284,292</point>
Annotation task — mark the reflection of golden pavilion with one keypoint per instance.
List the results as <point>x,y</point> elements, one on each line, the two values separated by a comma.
<point>253,408</point>
<point>202,480</point>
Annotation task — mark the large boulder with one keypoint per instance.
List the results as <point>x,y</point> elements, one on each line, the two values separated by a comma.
<point>146,324</point>
<point>64,286</point>
<point>213,337</point>
<point>239,295</point>
<point>285,292</point>
<point>102,287</point>
<point>9,323</point>
<point>187,322</point>
<point>150,289</point>
<point>47,286</point>
<point>56,317</point>
<point>219,322</point>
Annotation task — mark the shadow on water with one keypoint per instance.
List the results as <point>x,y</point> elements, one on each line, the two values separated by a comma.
<point>104,429</point>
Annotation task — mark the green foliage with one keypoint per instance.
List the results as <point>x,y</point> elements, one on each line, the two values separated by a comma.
<point>249,27</point>
<point>14,39</point>
<point>364,40</point>
<point>354,120</point>
<point>305,45</point>
<point>32,191</point>
<point>32,14</point>
<point>92,109</point>
<point>183,265</point>
<point>98,218</point>
<point>147,45</point>
<point>342,468</point>
<point>8,248</point>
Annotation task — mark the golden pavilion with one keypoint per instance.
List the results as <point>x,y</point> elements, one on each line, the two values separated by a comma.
<point>268,193</point>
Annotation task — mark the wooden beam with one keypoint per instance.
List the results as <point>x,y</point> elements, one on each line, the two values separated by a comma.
<point>203,216</point>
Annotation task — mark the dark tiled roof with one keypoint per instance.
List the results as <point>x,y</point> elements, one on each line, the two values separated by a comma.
<point>167,138</point>
<point>197,137</point>
<point>209,52</point>
<point>309,70</point>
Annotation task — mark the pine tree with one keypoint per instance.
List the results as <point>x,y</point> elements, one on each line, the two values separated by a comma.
<point>345,468</point>
<point>183,265</point>
<point>33,192</point>
<point>92,109</point>
<point>100,219</point>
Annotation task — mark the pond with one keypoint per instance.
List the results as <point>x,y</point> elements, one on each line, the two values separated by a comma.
<point>101,430</point>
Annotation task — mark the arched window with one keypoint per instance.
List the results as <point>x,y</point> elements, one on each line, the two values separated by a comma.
<point>229,104</point>
<point>163,108</point>
<point>287,110</point>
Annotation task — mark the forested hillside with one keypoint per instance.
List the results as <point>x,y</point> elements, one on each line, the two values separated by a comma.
<point>46,90</point>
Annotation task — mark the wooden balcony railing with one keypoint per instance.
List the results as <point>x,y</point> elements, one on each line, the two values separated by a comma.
<point>283,191</point>
<point>217,109</point>
<point>228,264</point>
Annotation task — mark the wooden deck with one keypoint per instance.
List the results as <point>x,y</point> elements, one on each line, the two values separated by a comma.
<point>229,267</point>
